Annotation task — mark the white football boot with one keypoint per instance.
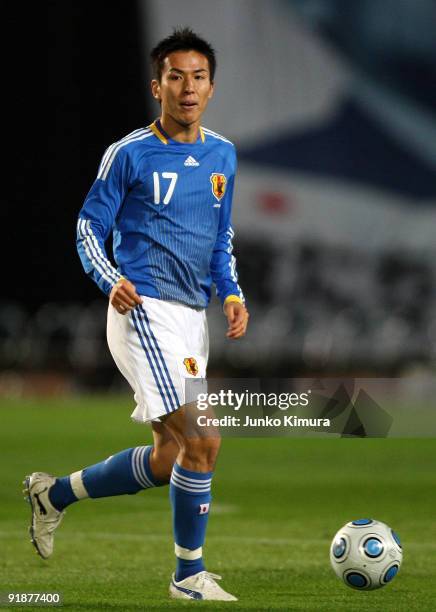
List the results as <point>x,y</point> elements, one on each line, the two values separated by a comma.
<point>199,586</point>
<point>45,518</point>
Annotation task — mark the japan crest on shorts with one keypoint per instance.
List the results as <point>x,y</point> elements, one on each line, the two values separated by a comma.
<point>191,365</point>
<point>204,509</point>
<point>219,182</point>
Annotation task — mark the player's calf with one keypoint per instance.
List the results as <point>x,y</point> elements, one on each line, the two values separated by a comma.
<point>200,454</point>
<point>190,491</point>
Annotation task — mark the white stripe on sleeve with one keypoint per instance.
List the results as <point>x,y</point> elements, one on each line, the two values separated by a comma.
<point>95,254</point>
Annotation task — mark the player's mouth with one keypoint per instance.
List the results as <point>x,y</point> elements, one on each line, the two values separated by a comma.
<point>188,105</point>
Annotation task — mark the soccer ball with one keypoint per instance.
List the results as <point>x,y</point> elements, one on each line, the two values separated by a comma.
<point>366,554</point>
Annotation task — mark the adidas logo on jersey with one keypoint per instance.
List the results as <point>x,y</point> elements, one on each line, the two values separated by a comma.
<point>190,161</point>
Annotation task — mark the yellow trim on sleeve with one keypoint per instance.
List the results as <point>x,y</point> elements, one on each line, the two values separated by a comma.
<point>153,127</point>
<point>233,298</point>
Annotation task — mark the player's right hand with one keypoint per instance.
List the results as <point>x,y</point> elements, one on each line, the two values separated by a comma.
<point>123,296</point>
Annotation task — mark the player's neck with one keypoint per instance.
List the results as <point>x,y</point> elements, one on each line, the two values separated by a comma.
<point>178,132</point>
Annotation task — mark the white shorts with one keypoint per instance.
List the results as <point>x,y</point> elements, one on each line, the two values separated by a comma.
<point>157,347</point>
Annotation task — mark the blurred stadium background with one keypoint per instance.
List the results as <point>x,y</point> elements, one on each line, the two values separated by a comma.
<point>332,106</point>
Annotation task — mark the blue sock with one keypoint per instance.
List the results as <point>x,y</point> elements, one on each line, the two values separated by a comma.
<point>61,494</point>
<point>126,472</point>
<point>190,499</point>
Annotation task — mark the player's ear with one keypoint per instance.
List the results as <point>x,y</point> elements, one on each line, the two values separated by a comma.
<point>211,90</point>
<point>155,89</point>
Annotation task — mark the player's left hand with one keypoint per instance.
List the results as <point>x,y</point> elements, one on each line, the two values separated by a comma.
<point>237,317</point>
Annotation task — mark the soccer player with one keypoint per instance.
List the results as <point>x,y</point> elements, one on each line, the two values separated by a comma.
<point>165,191</point>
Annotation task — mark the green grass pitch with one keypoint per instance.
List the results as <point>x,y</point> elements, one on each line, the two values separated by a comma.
<point>277,504</point>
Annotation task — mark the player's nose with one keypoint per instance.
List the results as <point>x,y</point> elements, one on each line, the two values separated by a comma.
<point>189,85</point>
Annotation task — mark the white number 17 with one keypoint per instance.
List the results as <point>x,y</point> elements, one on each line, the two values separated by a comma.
<point>166,175</point>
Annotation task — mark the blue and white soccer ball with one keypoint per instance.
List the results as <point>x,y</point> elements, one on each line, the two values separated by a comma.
<point>366,554</point>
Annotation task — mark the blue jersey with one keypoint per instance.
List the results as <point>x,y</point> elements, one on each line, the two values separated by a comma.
<point>168,205</point>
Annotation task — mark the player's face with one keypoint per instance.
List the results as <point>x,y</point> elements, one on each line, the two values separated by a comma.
<point>185,87</point>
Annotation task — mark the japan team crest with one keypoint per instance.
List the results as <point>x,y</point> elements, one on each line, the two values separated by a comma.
<point>219,182</point>
<point>191,365</point>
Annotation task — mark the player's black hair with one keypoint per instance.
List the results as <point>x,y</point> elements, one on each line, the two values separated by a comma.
<point>182,39</point>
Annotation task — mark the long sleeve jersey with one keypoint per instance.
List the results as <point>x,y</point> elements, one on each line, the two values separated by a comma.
<point>168,205</point>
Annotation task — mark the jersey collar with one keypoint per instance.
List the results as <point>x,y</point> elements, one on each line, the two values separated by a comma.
<point>159,132</point>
